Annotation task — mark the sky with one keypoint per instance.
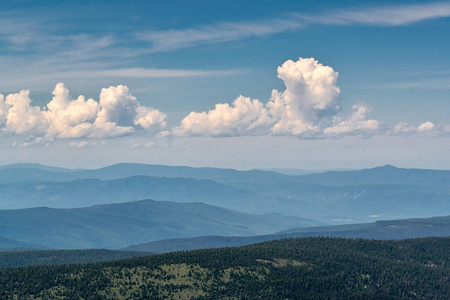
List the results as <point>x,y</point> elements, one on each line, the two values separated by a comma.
<point>231,84</point>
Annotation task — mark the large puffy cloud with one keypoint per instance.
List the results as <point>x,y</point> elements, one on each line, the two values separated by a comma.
<point>117,113</point>
<point>67,117</point>
<point>307,108</point>
<point>21,118</point>
<point>244,116</point>
<point>311,96</point>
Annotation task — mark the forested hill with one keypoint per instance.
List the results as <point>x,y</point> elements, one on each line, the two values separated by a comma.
<point>306,268</point>
<point>61,257</point>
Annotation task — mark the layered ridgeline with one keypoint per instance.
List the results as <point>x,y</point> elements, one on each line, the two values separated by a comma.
<point>398,229</point>
<point>85,192</point>
<point>35,172</point>
<point>380,175</point>
<point>383,230</point>
<point>332,197</point>
<point>307,268</point>
<point>120,225</point>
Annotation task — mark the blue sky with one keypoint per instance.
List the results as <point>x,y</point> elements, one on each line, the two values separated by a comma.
<point>380,80</point>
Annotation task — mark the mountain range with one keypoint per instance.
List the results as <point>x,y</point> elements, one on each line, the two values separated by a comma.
<point>353,196</point>
<point>51,207</point>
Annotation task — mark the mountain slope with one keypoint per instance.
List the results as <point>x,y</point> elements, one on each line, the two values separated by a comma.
<point>8,243</point>
<point>120,225</point>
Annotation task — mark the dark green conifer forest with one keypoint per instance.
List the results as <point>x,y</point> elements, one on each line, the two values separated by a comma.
<point>303,268</point>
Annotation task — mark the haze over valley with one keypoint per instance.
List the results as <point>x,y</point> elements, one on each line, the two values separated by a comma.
<point>224,149</point>
<point>127,204</point>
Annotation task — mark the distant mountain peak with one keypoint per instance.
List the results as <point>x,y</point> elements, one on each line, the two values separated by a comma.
<point>388,166</point>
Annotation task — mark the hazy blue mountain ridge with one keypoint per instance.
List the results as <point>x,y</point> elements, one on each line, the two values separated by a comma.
<point>35,166</point>
<point>119,225</point>
<point>385,230</point>
<point>379,193</point>
<point>360,203</point>
<point>86,192</point>
<point>379,175</point>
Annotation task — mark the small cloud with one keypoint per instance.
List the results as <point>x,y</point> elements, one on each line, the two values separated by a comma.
<point>150,145</point>
<point>164,133</point>
<point>356,123</point>
<point>426,127</point>
<point>32,141</point>
<point>81,144</point>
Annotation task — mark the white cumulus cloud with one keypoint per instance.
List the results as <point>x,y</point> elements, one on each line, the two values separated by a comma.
<point>307,108</point>
<point>356,123</point>
<point>242,117</point>
<point>311,94</point>
<point>424,129</point>
<point>21,118</point>
<point>311,97</point>
<point>116,113</point>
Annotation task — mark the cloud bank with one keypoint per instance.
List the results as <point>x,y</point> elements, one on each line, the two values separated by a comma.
<point>308,108</point>
<point>116,113</point>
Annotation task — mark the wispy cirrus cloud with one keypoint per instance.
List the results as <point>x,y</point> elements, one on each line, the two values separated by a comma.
<point>142,73</point>
<point>171,40</point>
<point>87,73</point>
<point>78,56</point>
<point>382,16</point>
<point>436,83</point>
<point>394,15</point>
<point>34,54</point>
